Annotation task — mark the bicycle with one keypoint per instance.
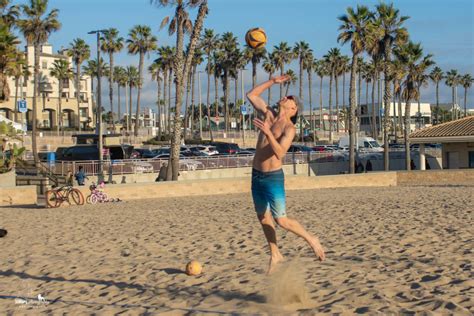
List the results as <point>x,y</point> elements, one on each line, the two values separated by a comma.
<point>97,195</point>
<point>56,196</point>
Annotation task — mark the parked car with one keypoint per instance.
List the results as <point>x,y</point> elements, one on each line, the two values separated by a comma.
<point>91,152</point>
<point>324,148</point>
<point>226,148</point>
<point>142,153</point>
<point>299,149</point>
<point>208,150</point>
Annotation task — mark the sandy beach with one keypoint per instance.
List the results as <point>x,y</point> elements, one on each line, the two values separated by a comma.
<point>389,250</point>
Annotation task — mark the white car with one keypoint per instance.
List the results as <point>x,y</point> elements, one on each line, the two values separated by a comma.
<point>205,149</point>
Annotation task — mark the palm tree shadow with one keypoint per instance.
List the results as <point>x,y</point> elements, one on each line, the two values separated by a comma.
<point>172,271</point>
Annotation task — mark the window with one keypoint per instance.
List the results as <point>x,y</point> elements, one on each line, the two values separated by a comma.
<point>83,112</point>
<point>44,65</point>
<point>64,94</point>
<point>471,159</point>
<point>66,83</point>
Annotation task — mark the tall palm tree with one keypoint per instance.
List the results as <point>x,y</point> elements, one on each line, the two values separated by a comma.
<point>332,60</point>
<point>453,78</point>
<point>301,51</point>
<point>36,27</point>
<point>180,23</point>
<point>209,43</point>
<point>79,51</point>
<point>90,69</point>
<point>282,54</point>
<point>155,70</point>
<point>121,80</point>
<point>166,59</point>
<point>466,82</point>
<point>392,33</point>
<point>322,71</point>
<point>269,67</point>
<point>421,81</point>
<point>140,41</point>
<point>292,81</point>
<point>18,68</point>
<point>398,72</point>
<point>8,55</point>
<point>411,55</point>
<point>62,72</point>
<point>356,29</point>
<point>436,76</point>
<point>133,81</point>
<point>310,64</point>
<point>345,67</point>
<point>226,58</point>
<point>196,61</point>
<point>111,43</point>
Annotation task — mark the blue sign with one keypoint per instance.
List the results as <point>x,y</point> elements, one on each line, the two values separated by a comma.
<point>22,106</point>
<point>243,109</point>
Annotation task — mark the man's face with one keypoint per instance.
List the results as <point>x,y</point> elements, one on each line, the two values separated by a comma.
<point>289,104</point>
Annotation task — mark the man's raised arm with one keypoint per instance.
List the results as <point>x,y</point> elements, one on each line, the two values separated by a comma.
<point>254,94</point>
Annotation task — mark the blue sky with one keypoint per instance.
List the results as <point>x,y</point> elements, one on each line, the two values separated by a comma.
<point>445,28</point>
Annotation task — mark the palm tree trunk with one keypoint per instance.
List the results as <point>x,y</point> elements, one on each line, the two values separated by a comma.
<point>352,115</point>
<point>140,82</point>
<point>344,104</point>
<point>336,77</point>
<point>359,89</point>
<point>310,104</point>
<point>465,101</point>
<point>78,95</point>
<point>282,72</point>
<point>386,98</point>
<point>35,93</point>
<point>216,100</point>
<point>321,123</point>
<point>159,105</point>
<point>437,102</point>
<point>192,74</point>
<point>254,73</point>
<point>378,103</point>
<point>111,88</point>
<point>395,114</point>
<point>330,107</point>
<point>119,114</point>
<point>186,109</point>
<point>170,77</point>
<point>209,96</point>
<point>165,100</point>
<point>374,117</point>
<point>269,91</point>
<point>405,134</point>
<point>130,109</point>
<point>419,109</point>
<point>58,124</point>
<point>236,108</point>
<point>226,109</point>
<point>400,121</point>
<point>15,106</point>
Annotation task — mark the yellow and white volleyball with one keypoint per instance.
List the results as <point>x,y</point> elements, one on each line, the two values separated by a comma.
<point>256,38</point>
<point>193,268</point>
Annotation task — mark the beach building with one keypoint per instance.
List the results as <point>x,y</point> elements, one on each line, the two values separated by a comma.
<point>48,94</point>
<point>419,118</point>
<point>457,139</point>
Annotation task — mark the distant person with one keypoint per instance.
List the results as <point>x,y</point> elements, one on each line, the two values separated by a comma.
<point>428,167</point>
<point>412,165</point>
<point>368,166</point>
<point>277,132</point>
<point>69,178</point>
<point>81,176</point>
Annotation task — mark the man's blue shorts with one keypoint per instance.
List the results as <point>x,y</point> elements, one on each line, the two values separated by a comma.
<point>268,192</point>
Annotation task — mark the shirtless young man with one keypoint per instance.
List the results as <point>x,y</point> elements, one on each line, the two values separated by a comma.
<point>277,131</point>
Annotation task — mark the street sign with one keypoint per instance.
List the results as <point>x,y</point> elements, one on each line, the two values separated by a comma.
<point>22,106</point>
<point>243,109</point>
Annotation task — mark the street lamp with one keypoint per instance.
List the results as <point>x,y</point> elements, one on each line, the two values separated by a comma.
<point>98,107</point>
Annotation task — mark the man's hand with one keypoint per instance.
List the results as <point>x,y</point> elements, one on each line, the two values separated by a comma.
<point>262,125</point>
<point>281,79</point>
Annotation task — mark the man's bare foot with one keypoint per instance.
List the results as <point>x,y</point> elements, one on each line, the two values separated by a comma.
<point>317,248</point>
<point>274,260</point>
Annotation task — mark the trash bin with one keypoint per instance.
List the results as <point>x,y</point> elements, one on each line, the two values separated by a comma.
<point>51,158</point>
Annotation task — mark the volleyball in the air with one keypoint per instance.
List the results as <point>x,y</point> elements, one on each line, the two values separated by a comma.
<point>256,38</point>
<point>193,268</point>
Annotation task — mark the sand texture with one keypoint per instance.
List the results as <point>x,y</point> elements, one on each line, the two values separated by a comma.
<point>389,250</point>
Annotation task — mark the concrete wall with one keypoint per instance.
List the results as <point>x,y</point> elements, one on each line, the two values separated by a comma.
<point>25,195</point>
<point>436,177</point>
<point>7,179</point>
<point>462,149</point>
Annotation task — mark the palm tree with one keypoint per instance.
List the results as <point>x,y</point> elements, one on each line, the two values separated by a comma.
<point>209,43</point>
<point>62,72</point>
<point>466,82</point>
<point>301,51</point>
<point>322,71</point>
<point>19,68</point>
<point>111,43</point>
<point>411,55</point>
<point>8,55</point>
<point>121,80</point>
<point>421,81</point>
<point>36,27</point>
<point>197,60</point>
<point>9,14</point>
<point>355,28</point>
<point>345,67</point>
<point>332,59</point>
<point>133,80</point>
<point>140,41</point>
<point>166,59</point>
<point>282,55</point>
<point>452,80</point>
<point>180,24</point>
<point>79,51</point>
<point>392,33</point>
<point>90,69</point>
<point>255,55</point>
<point>310,64</point>
<point>269,67</point>
<point>398,72</point>
<point>292,81</point>
<point>155,70</point>
<point>436,76</point>
<point>226,57</point>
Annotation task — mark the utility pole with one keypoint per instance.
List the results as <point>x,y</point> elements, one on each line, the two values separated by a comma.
<point>99,107</point>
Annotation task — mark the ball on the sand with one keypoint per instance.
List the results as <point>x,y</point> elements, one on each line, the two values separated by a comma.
<point>193,268</point>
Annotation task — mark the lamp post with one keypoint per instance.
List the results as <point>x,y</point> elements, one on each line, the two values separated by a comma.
<point>99,107</point>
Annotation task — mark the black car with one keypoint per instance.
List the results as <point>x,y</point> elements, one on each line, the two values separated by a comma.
<point>91,152</point>
<point>226,148</point>
<point>299,149</point>
<point>144,153</point>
